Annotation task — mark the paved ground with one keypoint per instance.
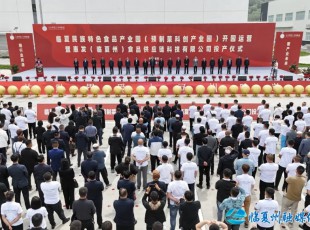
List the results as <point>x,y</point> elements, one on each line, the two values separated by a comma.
<point>206,197</point>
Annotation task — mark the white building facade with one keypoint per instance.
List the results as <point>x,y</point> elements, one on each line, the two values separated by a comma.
<point>19,15</point>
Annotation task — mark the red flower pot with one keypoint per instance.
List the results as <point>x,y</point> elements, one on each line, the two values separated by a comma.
<point>69,78</point>
<point>234,77</point>
<point>53,77</point>
<point>205,78</point>
<point>99,78</point>
<point>114,78</point>
<point>93,78</point>
<point>76,78</point>
<point>190,78</point>
<point>227,77</point>
<point>173,77</point>
<point>137,78</point>
<point>84,78</point>
<point>251,77</point>
<point>166,78</point>
<point>213,77</point>
<point>257,77</point>
<point>220,77</point>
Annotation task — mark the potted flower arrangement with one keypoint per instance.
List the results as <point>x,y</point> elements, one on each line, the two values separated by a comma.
<point>76,78</point>
<point>93,78</point>
<point>293,68</point>
<point>137,78</point>
<point>190,78</point>
<point>128,78</point>
<point>84,78</point>
<point>306,73</point>
<point>69,78</point>
<point>166,78</point>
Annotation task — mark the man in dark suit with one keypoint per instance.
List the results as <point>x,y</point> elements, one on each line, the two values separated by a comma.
<point>111,65</point>
<point>161,184</point>
<point>245,144</point>
<point>61,143</point>
<point>122,106</point>
<point>178,64</point>
<point>237,128</point>
<point>186,64</point>
<point>127,184</point>
<point>63,135</point>
<point>85,65</point>
<point>48,135</point>
<point>203,66</point>
<point>127,130</point>
<point>212,64</point>
<point>136,64</point>
<point>127,65</point>
<point>239,113</point>
<point>246,65</point>
<point>152,64</point>
<point>76,66</point>
<point>161,65</point>
<point>176,130</point>
<point>95,190</point>
<point>39,170</point>
<point>169,64</point>
<point>19,176</point>
<point>88,165</point>
<point>120,66</point>
<point>220,63</point>
<point>229,65</point>
<point>145,66</point>
<point>97,122</point>
<point>29,158</point>
<point>94,65</point>
<point>102,65</point>
<point>225,142</point>
<point>238,64</point>
<point>135,107</point>
<point>56,155</point>
<point>117,118</point>
<point>81,143</point>
<point>204,155</point>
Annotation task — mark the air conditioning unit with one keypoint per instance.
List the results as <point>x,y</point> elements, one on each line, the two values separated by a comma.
<point>308,26</point>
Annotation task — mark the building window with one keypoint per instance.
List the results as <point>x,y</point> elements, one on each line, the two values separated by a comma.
<point>279,17</point>
<point>300,15</point>
<point>307,36</point>
<point>288,16</point>
<point>270,18</point>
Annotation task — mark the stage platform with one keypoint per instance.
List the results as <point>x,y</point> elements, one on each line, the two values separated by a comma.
<point>51,74</point>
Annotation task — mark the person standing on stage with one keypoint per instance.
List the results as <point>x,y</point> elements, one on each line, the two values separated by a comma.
<point>212,64</point>
<point>275,68</point>
<point>152,64</point>
<point>102,64</point>
<point>229,65</point>
<point>85,65</point>
<point>195,64</point>
<point>136,64</point>
<point>161,64</point>
<point>127,65</point>
<point>111,65</point>
<point>76,66</point>
<point>178,65</point>
<point>246,65</point>
<point>120,66</point>
<point>186,64</point>
<point>169,64</point>
<point>94,65</point>
<point>203,66</point>
<point>145,66</point>
<point>238,64</point>
<point>220,63</point>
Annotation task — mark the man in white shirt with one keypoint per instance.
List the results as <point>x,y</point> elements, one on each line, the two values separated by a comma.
<point>271,143</point>
<point>12,129</point>
<point>225,112</point>
<point>58,108</point>
<point>196,126</point>
<point>306,117</point>
<point>52,202</point>
<point>192,110</point>
<point>65,114</point>
<point>165,152</point>
<point>300,123</point>
<point>265,113</point>
<point>11,213</point>
<point>276,125</point>
<point>246,182</point>
<point>261,106</point>
<point>141,155</point>
<point>6,112</point>
<point>189,171</point>
<point>207,106</point>
<point>165,171</point>
<point>218,109</point>
<point>22,123</point>
<point>286,156</point>
<point>31,116</point>
<point>213,122</point>
<point>268,172</point>
<point>304,107</point>
<point>259,126</point>
<point>231,120</point>
<point>3,140</point>
<point>290,117</point>
<point>124,120</point>
<point>269,206</point>
<point>221,134</point>
<point>175,192</point>
<point>262,135</point>
<point>184,150</point>
<point>234,107</point>
<point>247,120</point>
<point>210,113</point>
<point>254,155</point>
<point>291,168</point>
<point>278,110</point>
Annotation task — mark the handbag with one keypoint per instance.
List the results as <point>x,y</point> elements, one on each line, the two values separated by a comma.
<point>76,184</point>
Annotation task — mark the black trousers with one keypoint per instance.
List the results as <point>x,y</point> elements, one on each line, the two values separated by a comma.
<point>25,132</point>
<point>120,70</point>
<point>104,174</point>
<point>19,227</point>
<point>88,224</point>
<point>127,70</point>
<point>161,70</point>
<point>76,69</point>
<point>152,69</point>
<point>254,172</point>
<point>170,139</point>
<point>98,205</point>
<point>30,172</point>
<point>169,69</point>
<point>191,121</point>
<point>177,70</point>
<point>136,69</point>
<point>219,71</point>
<point>280,171</point>
<point>91,140</point>
<point>38,185</point>
<point>102,70</point>
<point>85,70</point>
<point>204,170</point>
<point>192,188</point>
<point>31,128</point>
<point>41,146</point>
<point>154,162</point>
<point>25,192</point>
<point>238,69</point>
<point>80,151</point>
<point>211,69</point>
<point>111,70</point>
<point>228,70</point>
<point>260,158</point>
<point>246,69</point>
<point>94,70</point>
<point>195,69</point>
<point>51,208</point>
<point>113,158</point>
<point>262,187</point>
<point>307,200</point>
<point>203,70</point>
<point>125,227</point>
<point>186,69</point>
<point>68,196</point>
<point>128,144</point>
<point>145,70</point>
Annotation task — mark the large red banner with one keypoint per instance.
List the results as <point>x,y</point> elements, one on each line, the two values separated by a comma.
<point>57,45</point>
<point>110,109</point>
<point>21,50</point>
<point>287,48</point>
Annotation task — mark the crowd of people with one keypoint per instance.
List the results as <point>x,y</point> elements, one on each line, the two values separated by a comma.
<point>138,146</point>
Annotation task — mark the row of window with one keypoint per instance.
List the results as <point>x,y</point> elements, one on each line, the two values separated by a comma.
<point>300,15</point>
<point>307,36</point>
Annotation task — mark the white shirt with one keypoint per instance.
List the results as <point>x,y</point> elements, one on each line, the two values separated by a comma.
<point>57,109</point>
<point>134,118</point>
<point>306,118</point>
<point>50,191</point>
<point>7,113</point>
<point>31,212</point>
<point>220,135</point>
<point>241,137</point>
<point>183,152</point>
<point>262,135</point>
<point>19,146</point>
<point>278,111</point>
<point>189,170</point>
<point>265,114</point>
<point>31,115</point>
<point>64,119</point>
<point>206,108</point>
<point>308,185</point>
<point>3,139</point>
<point>230,121</point>
<point>257,128</point>
<point>196,128</point>
<point>141,152</point>
<point>166,152</point>
<point>291,168</point>
<point>246,182</point>
<point>213,122</point>
<point>268,172</point>
<point>165,170</point>
<point>234,107</point>
<point>271,144</point>
<point>177,188</point>
<point>300,125</point>
<point>180,143</point>
<point>304,109</point>
<point>287,154</point>
<point>154,148</point>
<point>290,118</point>
<point>11,210</point>
<point>254,154</point>
<point>21,122</point>
<point>276,124</point>
<point>218,111</point>
<point>247,120</point>
<point>192,109</point>
<point>210,113</point>
<point>13,129</point>
<point>260,108</point>
<point>268,206</point>
<point>307,209</point>
<point>124,121</point>
<point>284,130</point>
<point>225,113</point>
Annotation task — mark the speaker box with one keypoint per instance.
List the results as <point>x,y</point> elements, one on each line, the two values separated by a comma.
<point>106,79</point>
<point>287,78</point>
<point>197,79</point>
<point>61,78</point>
<point>17,78</point>
<point>242,78</point>
<point>152,79</point>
